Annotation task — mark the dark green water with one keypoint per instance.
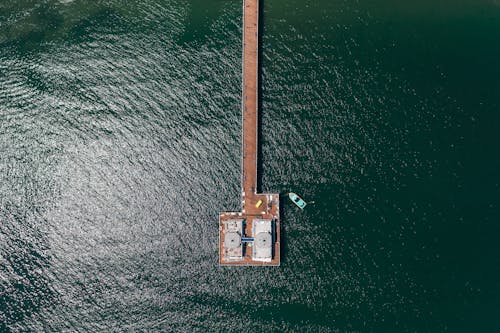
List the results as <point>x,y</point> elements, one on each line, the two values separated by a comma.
<point>120,143</point>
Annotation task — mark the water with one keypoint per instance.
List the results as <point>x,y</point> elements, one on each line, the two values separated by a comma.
<point>120,143</point>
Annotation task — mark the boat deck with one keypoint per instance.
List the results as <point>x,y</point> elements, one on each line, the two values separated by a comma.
<point>269,209</point>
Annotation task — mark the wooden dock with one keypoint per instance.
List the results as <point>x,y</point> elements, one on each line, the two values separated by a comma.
<point>256,207</point>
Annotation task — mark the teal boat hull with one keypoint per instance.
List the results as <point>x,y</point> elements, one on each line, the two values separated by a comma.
<point>297,200</point>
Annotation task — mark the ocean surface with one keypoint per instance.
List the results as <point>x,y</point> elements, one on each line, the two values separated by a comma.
<point>120,143</point>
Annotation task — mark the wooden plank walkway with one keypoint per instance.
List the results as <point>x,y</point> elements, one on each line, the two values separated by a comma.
<point>250,102</point>
<point>269,209</point>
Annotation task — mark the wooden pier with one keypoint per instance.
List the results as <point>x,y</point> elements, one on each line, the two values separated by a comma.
<point>259,212</point>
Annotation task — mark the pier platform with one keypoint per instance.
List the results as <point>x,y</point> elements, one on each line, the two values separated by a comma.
<point>250,237</point>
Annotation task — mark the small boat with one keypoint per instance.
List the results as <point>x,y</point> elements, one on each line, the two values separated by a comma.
<point>297,200</point>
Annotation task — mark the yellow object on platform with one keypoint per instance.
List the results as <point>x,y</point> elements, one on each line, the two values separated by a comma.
<point>258,203</point>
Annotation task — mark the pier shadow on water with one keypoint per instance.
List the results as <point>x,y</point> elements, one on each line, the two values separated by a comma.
<point>259,99</point>
<point>260,136</point>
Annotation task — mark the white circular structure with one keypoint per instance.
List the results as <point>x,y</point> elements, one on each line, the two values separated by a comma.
<point>263,240</point>
<point>232,240</point>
